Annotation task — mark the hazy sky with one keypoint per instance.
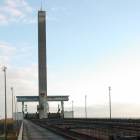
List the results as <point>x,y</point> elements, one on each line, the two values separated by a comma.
<point>91,44</point>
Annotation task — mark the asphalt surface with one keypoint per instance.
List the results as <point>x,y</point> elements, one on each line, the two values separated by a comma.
<point>35,132</point>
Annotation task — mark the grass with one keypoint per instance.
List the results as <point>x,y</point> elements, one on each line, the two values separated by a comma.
<point>9,121</point>
<point>9,138</point>
<point>11,132</point>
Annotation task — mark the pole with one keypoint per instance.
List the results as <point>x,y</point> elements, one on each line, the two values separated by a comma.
<point>85,106</point>
<point>15,107</point>
<point>16,111</point>
<point>23,109</point>
<point>41,5</point>
<point>12,102</point>
<point>5,122</point>
<point>15,114</point>
<point>109,101</point>
<point>72,110</point>
<point>62,105</point>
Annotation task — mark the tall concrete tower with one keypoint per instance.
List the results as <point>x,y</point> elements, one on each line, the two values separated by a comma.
<point>42,70</point>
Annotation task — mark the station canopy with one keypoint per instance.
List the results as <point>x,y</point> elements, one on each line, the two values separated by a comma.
<point>36,98</point>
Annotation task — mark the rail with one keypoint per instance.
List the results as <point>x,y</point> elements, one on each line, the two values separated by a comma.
<point>95,128</point>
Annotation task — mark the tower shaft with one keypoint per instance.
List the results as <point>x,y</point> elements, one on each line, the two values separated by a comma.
<point>42,69</point>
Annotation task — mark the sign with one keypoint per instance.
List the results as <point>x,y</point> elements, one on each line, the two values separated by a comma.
<point>36,98</point>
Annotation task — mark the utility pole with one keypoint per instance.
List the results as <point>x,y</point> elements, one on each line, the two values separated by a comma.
<point>5,122</point>
<point>109,88</point>
<point>12,102</point>
<point>85,106</point>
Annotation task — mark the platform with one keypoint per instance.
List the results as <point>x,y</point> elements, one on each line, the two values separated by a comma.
<point>35,132</point>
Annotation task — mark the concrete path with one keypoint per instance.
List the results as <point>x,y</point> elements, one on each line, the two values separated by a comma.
<point>32,131</point>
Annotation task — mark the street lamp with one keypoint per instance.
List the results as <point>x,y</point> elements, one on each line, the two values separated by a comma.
<point>72,110</point>
<point>15,108</point>
<point>85,106</point>
<point>109,88</point>
<point>12,101</point>
<point>5,122</point>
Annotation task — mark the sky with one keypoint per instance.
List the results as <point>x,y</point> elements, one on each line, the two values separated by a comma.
<point>91,45</point>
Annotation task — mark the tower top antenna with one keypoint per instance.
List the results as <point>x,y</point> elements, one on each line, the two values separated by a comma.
<point>41,6</point>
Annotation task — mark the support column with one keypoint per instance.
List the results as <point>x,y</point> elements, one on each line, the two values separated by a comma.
<point>62,109</point>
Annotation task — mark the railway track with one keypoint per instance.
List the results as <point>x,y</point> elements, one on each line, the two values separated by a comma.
<point>72,128</point>
<point>70,135</point>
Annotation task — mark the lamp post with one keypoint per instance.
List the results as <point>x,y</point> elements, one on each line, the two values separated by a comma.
<point>5,122</point>
<point>85,106</point>
<point>15,107</point>
<point>12,101</point>
<point>72,110</point>
<point>109,88</point>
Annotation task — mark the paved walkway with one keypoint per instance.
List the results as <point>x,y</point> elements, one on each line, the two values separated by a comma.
<point>34,132</point>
